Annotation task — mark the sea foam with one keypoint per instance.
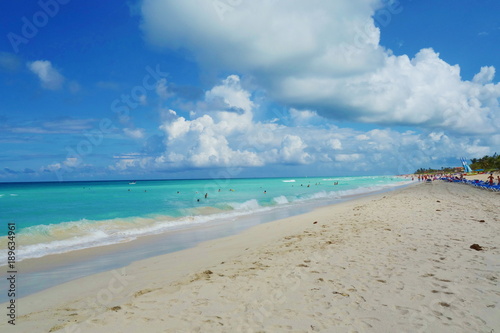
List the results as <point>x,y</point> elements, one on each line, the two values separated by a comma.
<point>44,239</point>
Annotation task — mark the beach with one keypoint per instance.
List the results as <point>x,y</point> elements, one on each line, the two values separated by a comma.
<point>399,261</point>
<point>483,177</point>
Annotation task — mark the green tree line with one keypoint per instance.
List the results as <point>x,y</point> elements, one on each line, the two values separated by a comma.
<point>430,170</point>
<point>486,163</point>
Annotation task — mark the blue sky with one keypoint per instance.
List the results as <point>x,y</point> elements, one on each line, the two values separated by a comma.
<point>216,88</point>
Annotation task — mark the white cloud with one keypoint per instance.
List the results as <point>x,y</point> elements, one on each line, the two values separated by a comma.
<point>303,117</point>
<point>335,144</point>
<point>203,142</point>
<point>72,162</point>
<point>60,126</point>
<point>423,91</point>
<point>292,150</point>
<point>214,138</point>
<point>68,163</point>
<point>125,164</point>
<point>231,94</point>
<point>129,161</point>
<point>50,78</point>
<point>162,89</point>
<point>325,56</point>
<point>277,34</point>
<point>53,167</point>
<point>347,157</point>
<point>135,133</point>
<point>485,75</point>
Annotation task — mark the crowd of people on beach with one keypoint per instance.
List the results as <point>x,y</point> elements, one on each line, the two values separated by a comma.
<point>457,177</point>
<point>423,178</point>
<point>489,183</point>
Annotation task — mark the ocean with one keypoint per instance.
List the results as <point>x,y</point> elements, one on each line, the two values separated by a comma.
<point>60,217</point>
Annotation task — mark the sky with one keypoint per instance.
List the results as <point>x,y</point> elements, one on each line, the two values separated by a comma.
<point>165,89</point>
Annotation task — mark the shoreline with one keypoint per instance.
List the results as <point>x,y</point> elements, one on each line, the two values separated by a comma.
<point>386,262</point>
<point>83,231</point>
<point>38,273</point>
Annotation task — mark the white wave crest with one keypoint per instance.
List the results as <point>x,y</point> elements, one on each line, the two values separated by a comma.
<point>281,200</point>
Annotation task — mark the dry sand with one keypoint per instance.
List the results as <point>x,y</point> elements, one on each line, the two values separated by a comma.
<point>395,262</point>
<point>484,177</point>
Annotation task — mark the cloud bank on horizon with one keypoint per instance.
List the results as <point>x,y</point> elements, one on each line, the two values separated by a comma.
<point>229,136</point>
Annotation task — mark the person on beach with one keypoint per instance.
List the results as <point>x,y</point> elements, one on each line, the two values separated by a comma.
<point>498,179</point>
<point>490,178</point>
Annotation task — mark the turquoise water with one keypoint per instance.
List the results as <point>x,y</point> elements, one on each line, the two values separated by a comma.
<point>60,217</point>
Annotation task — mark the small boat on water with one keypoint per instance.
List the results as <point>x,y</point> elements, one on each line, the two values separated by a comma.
<point>132,183</point>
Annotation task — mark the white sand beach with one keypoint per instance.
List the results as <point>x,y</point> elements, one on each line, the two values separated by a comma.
<point>483,176</point>
<point>394,262</point>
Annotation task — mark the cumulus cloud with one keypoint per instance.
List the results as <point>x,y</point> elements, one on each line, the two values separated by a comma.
<point>49,77</point>
<point>230,94</point>
<point>485,75</point>
<point>423,91</point>
<point>225,138</point>
<point>325,56</point>
<point>292,150</point>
